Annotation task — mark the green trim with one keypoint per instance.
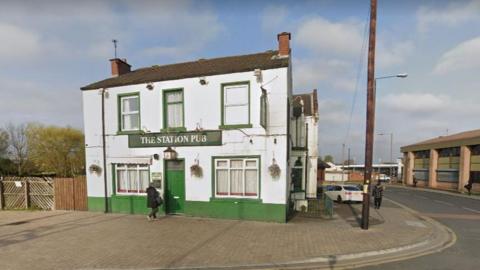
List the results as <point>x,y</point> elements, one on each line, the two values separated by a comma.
<point>258,198</point>
<point>173,130</point>
<point>114,179</point>
<point>222,109</point>
<point>97,204</point>
<point>138,132</point>
<point>119,114</point>
<point>235,126</point>
<point>237,209</point>
<point>165,111</point>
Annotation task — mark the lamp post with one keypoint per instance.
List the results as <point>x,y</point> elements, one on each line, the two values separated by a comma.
<point>370,125</point>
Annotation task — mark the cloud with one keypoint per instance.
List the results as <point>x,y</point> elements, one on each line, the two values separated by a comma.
<point>455,13</point>
<point>18,43</point>
<point>465,56</point>
<point>393,54</point>
<point>332,112</point>
<point>415,103</point>
<point>323,37</point>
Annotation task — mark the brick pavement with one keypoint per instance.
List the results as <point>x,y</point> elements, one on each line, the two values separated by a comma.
<point>85,240</point>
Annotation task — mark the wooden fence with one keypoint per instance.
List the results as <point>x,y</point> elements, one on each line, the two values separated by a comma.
<point>26,192</point>
<point>71,193</point>
<point>43,193</point>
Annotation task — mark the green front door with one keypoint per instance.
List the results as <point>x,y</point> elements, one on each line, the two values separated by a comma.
<point>175,186</point>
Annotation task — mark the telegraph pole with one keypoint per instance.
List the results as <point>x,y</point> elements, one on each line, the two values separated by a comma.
<point>370,116</point>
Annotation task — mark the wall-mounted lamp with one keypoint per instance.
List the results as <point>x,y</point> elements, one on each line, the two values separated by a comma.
<point>258,73</point>
<point>203,81</point>
<point>156,156</point>
<point>150,86</point>
<point>169,154</point>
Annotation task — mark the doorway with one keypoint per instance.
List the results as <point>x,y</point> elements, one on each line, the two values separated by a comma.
<point>174,186</point>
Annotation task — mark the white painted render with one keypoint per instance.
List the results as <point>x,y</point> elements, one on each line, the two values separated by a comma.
<point>202,106</point>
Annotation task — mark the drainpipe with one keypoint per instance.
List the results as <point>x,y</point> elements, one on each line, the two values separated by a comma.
<point>306,158</point>
<point>104,148</point>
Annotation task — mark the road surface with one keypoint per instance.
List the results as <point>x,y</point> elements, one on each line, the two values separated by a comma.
<point>460,214</point>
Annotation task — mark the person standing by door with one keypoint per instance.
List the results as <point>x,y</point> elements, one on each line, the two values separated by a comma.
<point>377,195</point>
<point>153,201</point>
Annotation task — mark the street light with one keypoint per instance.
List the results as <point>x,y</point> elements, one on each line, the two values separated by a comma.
<point>370,124</point>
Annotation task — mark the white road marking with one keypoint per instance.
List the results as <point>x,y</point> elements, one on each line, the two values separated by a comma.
<point>415,223</point>
<point>442,202</point>
<point>470,209</point>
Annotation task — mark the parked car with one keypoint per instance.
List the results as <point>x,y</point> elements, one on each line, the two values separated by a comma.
<point>383,178</point>
<point>344,193</point>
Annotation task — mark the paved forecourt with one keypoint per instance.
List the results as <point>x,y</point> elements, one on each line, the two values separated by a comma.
<point>86,240</point>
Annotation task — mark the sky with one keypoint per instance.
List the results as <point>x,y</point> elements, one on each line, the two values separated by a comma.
<point>49,49</point>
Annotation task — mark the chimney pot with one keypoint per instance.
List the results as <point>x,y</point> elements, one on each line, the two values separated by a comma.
<point>119,66</point>
<point>284,44</point>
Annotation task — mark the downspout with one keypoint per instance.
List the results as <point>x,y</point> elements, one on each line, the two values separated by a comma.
<point>104,148</point>
<point>306,158</point>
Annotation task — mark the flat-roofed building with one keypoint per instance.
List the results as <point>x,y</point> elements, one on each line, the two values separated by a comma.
<point>445,162</point>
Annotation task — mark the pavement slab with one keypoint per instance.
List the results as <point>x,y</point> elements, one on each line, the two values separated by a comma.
<point>88,240</point>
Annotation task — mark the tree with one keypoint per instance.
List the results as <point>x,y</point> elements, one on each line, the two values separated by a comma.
<point>58,150</point>
<point>3,142</point>
<point>328,158</point>
<point>18,150</point>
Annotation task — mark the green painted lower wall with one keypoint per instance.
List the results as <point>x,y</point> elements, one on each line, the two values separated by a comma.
<point>121,204</point>
<point>97,204</point>
<point>215,208</point>
<point>229,209</point>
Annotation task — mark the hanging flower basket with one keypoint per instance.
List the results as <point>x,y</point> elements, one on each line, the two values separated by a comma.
<point>196,170</point>
<point>274,169</point>
<point>94,168</point>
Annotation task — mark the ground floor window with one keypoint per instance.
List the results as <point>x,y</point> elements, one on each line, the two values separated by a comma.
<point>236,177</point>
<point>132,178</point>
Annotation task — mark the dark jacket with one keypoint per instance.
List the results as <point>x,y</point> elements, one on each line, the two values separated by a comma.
<point>377,192</point>
<point>153,197</point>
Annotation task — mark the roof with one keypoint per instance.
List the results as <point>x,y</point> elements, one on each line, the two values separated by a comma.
<point>310,102</point>
<point>199,68</point>
<point>471,137</point>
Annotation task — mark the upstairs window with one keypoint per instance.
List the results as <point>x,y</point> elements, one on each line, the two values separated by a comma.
<point>236,105</point>
<point>173,109</point>
<point>263,109</point>
<point>129,112</point>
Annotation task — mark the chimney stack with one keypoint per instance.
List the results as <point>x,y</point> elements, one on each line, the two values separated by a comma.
<point>283,44</point>
<point>119,66</point>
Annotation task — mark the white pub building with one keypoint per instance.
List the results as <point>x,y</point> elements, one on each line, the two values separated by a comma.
<point>212,135</point>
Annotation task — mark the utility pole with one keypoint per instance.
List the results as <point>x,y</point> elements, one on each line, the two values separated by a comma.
<point>370,126</point>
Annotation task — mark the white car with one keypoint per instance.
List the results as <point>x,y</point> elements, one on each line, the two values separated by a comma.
<point>342,193</point>
<point>384,178</point>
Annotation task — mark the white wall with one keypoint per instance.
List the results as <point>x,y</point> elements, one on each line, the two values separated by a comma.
<point>202,104</point>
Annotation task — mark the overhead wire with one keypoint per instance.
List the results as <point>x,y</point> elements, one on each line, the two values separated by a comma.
<point>360,68</point>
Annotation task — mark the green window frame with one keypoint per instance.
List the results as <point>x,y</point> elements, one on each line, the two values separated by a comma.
<point>224,107</point>
<point>130,178</point>
<point>228,168</point>
<point>123,112</point>
<point>263,109</point>
<point>167,103</point>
